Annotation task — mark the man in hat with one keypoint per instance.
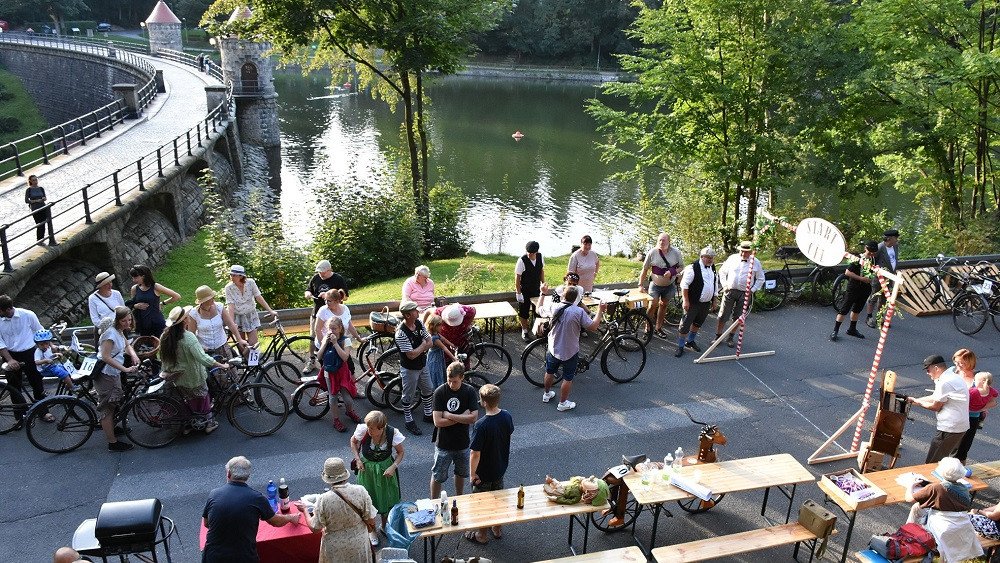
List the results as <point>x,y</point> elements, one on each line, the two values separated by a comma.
<point>950,403</point>
<point>529,275</point>
<point>886,258</point>
<point>859,287</point>
<point>698,289</point>
<point>232,514</point>
<point>322,281</point>
<point>413,341</point>
<point>664,261</point>
<point>103,300</point>
<point>733,283</point>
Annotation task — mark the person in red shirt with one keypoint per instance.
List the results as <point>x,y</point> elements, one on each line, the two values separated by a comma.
<point>458,320</point>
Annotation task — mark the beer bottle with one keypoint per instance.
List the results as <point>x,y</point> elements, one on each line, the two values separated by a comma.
<point>454,512</point>
<point>520,497</point>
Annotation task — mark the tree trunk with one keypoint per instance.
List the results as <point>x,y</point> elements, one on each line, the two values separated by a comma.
<point>411,144</point>
<point>422,134</point>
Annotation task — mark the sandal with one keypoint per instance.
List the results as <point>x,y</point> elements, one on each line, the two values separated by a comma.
<point>339,426</point>
<point>497,535</point>
<point>471,536</point>
<point>354,416</point>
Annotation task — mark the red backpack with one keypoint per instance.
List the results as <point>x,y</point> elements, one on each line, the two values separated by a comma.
<point>910,540</point>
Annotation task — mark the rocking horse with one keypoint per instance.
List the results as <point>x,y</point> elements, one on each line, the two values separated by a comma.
<point>710,437</point>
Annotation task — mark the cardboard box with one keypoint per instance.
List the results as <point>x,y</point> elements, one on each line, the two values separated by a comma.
<point>846,500</point>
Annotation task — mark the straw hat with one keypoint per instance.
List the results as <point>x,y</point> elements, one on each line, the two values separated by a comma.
<point>178,314</point>
<point>334,471</point>
<point>203,294</point>
<point>746,246</point>
<point>103,278</point>
<point>237,270</point>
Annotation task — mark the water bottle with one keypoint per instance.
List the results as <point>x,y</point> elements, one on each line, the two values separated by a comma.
<point>283,495</point>
<point>668,466</point>
<point>445,509</point>
<point>678,459</point>
<point>272,495</point>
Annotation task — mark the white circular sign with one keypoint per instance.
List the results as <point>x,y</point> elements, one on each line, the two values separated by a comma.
<point>821,241</point>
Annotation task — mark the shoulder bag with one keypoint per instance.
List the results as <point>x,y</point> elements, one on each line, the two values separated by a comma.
<point>371,527</point>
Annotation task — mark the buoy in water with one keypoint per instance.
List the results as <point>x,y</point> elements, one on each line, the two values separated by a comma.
<point>347,85</point>
<point>517,135</point>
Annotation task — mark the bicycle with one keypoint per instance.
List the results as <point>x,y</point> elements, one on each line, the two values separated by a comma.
<point>990,283</point>
<point>280,371</point>
<point>778,284</point>
<point>969,308</point>
<point>630,321</point>
<point>491,361</point>
<point>623,357</point>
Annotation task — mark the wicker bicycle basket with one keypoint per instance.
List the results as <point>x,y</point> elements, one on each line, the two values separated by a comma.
<point>146,347</point>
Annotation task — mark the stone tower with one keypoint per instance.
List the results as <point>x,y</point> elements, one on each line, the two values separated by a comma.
<point>247,66</point>
<point>164,29</point>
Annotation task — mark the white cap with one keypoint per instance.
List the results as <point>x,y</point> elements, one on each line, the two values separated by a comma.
<point>453,314</point>
<point>323,266</point>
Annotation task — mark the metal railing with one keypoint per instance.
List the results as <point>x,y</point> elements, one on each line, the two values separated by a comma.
<point>247,87</point>
<point>18,156</point>
<point>81,205</point>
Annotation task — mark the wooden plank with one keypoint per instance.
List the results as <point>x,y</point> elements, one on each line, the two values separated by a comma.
<point>734,357</point>
<point>725,477</point>
<point>733,544</point>
<point>499,508</point>
<point>630,554</point>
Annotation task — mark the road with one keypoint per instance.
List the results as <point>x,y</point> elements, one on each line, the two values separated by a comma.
<point>789,402</point>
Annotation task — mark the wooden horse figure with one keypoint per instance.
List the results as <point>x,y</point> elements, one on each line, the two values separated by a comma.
<point>710,437</point>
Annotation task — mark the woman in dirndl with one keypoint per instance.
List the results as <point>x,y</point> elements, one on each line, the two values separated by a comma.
<point>373,444</point>
<point>242,297</point>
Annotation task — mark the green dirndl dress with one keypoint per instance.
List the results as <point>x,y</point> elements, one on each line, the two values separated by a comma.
<point>385,491</point>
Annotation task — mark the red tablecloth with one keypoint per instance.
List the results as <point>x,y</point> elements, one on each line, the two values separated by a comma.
<point>291,543</point>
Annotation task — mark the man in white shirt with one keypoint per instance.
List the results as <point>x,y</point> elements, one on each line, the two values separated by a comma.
<point>950,402</point>
<point>698,289</point>
<point>733,283</point>
<point>17,347</point>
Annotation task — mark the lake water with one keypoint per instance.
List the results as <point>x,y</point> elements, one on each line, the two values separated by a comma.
<point>551,186</point>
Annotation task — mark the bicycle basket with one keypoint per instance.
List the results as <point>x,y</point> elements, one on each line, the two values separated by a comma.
<point>383,321</point>
<point>785,252</point>
<point>146,347</point>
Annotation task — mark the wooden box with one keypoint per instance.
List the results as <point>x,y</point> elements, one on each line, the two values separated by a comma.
<point>845,500</point>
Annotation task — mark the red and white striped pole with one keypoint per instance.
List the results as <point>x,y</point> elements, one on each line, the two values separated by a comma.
<point>746,302</point>
<point>873,374</point>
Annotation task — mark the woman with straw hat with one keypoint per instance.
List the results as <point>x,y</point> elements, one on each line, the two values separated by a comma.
<point>242,296</point>
<point>344,514</point>
<point>184,364</point>
<point>103,300</point>
<point>211,321</point>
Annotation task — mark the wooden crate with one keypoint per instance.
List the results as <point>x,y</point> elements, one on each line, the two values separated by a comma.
<point>845,500</point>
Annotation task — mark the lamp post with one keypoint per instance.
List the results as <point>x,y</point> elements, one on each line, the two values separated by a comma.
<point>144,32</point>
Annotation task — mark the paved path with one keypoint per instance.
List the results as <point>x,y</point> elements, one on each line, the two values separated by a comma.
<point>169,115</point>
<point>789,402</point>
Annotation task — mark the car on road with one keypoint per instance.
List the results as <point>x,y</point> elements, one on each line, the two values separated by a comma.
<point>104,27</point>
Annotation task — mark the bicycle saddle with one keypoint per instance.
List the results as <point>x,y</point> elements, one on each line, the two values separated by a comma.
<point>633,460</point>
<point>620,292</point>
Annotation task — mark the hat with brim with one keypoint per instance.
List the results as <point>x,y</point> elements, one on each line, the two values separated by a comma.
<point>407,306</point>
<point>103,278</point>
<point>708,251</point>
<point>746,246</point>
<point>237,270</point>
<point>323,266</point>
<point>334,471</point>
<point>453,314</point>
<point>203,294</point>
<point>178,314</point>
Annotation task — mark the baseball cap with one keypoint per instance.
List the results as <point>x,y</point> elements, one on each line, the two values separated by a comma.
<point>323,266</point>
<point>933,361</point>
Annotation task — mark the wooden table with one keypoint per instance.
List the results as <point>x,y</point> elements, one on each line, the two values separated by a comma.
<point>895,493</point>
<point>494,315</point>
<point>632,298</point>
<point>499,508</point>
<point>294,542</point>
<point>779,470</point>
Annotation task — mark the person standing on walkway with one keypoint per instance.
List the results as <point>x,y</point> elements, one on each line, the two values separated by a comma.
<point>886,257</point>
<point>529,275</point>
<point>242,297</point>
<point>103,300</point>
<point>322,281</point>
<point>664,261</point>
<point>34,196</point>
<point>456,408</point>
<point>859,288</point>
<point>585,263</point>
<point>373,444</point>
<point>567,320</point>
<point>490,451</point>
<point>965,366</point>
<point>733,282</point>
<point>950,403</point>
<point>698,289</point>
<point>414,341</point>
<point>17,347</point>
<point>145,301</point>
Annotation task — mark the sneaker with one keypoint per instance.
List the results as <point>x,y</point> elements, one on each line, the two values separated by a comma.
<point>833,337</point>
<point>660,333</point>
<point>870,321</point>
<point>309,367</point>
<point>855,334</point>
<point>428,419</point>
<point>679,352</point>
<point>693,345</point>
<point>119,447</point>
<point>566,405</point>
<point>339,426</point>
<point>547,396</point>
<point>730,343</point>
<point>211,426</point>
<point>525,336</point>
<point>413,428</point>
<point>373,538</point>
<point>354,417</point>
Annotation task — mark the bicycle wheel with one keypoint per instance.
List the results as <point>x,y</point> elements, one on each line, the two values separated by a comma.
<point>603,519</point>
<point>840,292</point>
<point>310,401</point>
<point>295,350</point>
<point>774,293</point>
<point>623,359</point>
<point>371,349</point>
<point>533,362</point>
<point>388,361</point>
<point>257,409</point>
<point>476,380</point>
<point>637,323</point>
<point>154,420</point>
<point>491,361</point>
<point>675,310</point>
<point>375,390</point>
<point>393,394</point>
<point>283,375</point>
<point>74,424</point>
<point>995,311</point>
<point>926,284</point>
<point>821,288</point>
<point>9,397</point>
<point>696,506</point>
<point>969,312</point>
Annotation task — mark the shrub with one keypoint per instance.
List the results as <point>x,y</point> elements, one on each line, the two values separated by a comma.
<point>470,278</point>
<point>9,124</point>
<point>448,235</point>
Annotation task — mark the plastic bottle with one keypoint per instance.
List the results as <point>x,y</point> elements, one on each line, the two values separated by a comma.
<point>678,459</point>
<point>445,512</point>
<point>272,495</point>
<point>283,499</point>
<point>668,466</point>
<point>454,512</point>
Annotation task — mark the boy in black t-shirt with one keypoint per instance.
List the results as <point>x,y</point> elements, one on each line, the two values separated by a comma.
<point>490,451</point>
<point>455,409</point>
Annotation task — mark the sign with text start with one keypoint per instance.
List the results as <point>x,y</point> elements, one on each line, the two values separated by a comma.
<point>821,241</point>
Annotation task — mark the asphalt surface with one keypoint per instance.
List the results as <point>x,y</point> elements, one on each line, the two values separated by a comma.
<point>789,402</point>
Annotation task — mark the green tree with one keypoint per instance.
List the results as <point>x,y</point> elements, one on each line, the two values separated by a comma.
<point>56,10</point>
<point>391,43</point>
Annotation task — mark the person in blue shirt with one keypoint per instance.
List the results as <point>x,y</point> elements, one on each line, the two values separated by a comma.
<point>490,452</point>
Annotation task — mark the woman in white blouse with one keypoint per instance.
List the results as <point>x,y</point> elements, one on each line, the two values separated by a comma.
<point>242,296</point>
<point>335,307</point>
<point>585,263</point>
<point>211,321</point>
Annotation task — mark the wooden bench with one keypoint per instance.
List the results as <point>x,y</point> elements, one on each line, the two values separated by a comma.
<point>734,544</point>
<point>630,554</point>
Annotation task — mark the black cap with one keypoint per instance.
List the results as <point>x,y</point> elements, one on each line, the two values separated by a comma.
<point>890,233</point>
<point>933,361</point>
<point>532,246</point>
<point>871,246</point>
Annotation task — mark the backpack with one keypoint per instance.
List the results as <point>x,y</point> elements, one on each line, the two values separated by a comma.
<point>910,540</point>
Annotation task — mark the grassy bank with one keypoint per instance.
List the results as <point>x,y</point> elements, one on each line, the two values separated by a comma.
<point>185,269</point>
<point>19,118</point>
